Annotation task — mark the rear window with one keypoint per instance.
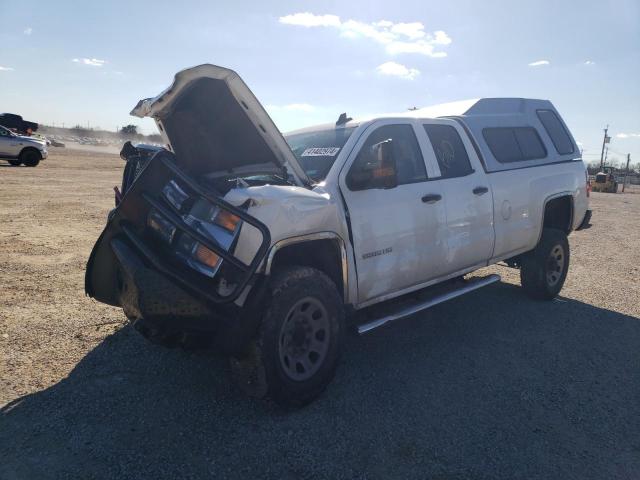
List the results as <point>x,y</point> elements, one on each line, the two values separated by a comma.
<point>514,144</point>
<point>554,127</point>
<point>450,152</point>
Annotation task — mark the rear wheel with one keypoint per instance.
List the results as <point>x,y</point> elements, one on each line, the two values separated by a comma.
<point>15,163</point>
<point>298,347</point>
<point>31,158</point>
<point>544,269</point>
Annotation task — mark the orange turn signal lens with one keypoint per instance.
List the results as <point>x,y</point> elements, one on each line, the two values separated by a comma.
<point>227,220</point>
<point>206,256</point>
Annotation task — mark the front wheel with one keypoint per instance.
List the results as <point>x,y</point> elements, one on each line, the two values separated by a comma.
<point>544,269</point>
<point>300,340</point>
<point>31,158</point>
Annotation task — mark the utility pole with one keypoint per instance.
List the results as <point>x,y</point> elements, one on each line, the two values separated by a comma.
<point>606,139</point>
<point>606,155</point>
<point>626,172</point>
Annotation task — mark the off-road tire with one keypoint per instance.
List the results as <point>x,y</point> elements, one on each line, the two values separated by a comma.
<point>263,372</point>
<point>544,269</point>
<point>31,158</point>
<point>15,163</point>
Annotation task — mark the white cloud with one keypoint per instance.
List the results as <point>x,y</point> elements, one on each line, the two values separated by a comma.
<point>539,63</point>
<point>397,70</point>
<point>420,47</point>
<point>94,62</point>
<point>293,107</point>
<point>307,19</point>
<point>5,69</point>
<point>412,30</point>
<point>589,62</point>
<point>397,38</point>
<point>628,135</point>
<point>28,31</point>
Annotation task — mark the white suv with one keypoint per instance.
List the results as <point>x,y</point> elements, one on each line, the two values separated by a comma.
<point>20,149</point>
<point>266,247</point>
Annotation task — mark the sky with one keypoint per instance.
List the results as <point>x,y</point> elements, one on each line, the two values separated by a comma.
<point>89,63</point>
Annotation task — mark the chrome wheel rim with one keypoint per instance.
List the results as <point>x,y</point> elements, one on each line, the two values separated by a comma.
<point>555,265</point>
<point>304,339</point>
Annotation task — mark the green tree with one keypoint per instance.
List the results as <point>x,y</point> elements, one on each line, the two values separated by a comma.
<point>129,130</point>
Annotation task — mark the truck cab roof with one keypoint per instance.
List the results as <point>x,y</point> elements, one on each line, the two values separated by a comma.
<point>503,129</point>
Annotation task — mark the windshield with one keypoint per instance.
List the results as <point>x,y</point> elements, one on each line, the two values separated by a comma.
<point>316,151</point>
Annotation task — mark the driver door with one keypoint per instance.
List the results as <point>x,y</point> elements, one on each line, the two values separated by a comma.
<point>398,228</point>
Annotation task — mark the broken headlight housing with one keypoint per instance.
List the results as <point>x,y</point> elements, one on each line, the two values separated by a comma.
<point>219,226</point>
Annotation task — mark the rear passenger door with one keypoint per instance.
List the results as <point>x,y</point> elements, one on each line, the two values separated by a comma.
<point>466,193</point>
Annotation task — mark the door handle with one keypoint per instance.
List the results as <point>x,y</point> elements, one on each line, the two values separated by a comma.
<point>480,190</point>
<point>432,198</point>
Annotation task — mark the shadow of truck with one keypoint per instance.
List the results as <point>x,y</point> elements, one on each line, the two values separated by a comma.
<point>490,385</point>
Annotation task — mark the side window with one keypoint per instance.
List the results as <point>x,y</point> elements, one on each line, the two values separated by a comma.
<point>514,144</point>
<point>557,132</point>
<point>450,152</point>
<point>402,154</point>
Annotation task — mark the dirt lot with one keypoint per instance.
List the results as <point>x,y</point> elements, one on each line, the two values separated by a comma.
<point>492,385</point>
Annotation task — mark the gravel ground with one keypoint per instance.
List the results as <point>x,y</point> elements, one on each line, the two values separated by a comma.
<point>491,385</point>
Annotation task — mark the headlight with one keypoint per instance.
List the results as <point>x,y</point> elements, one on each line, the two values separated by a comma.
<point>175,195</point>
<point>197,256</point>
<point>206,257</point>
<point>161,226</point>
<point>211,221</point>
<point>226,220</point>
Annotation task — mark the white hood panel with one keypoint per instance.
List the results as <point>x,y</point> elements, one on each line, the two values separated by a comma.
<point>214,123</point>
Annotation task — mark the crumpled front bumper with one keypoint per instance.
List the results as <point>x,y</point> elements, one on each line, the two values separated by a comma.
<point>145,293</point>
<point>161,308</point>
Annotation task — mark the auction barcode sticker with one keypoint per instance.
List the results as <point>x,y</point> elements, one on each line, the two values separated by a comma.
<point>321,152</point>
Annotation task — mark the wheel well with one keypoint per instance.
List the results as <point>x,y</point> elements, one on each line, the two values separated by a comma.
<point>324,255</point>
<point>558,213</point>
<point>29,149</point>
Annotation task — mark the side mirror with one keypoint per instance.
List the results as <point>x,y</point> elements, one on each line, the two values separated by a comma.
<point>375,168</point>
<point>385,176</point>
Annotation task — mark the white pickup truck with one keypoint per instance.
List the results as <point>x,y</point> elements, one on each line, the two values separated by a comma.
<point>268,247</point>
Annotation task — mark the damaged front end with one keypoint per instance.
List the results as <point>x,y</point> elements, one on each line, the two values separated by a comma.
<point>180,249</point>
<point>167,252</point>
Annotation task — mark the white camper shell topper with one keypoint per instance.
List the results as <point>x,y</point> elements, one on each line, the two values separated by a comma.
<point>268,247</point>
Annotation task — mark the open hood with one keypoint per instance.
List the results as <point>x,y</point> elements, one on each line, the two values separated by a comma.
<point>214,124</point>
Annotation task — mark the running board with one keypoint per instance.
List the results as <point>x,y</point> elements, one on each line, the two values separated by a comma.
<point>407,310</point>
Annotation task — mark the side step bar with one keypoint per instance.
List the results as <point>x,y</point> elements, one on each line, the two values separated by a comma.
<point>430,302</point>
